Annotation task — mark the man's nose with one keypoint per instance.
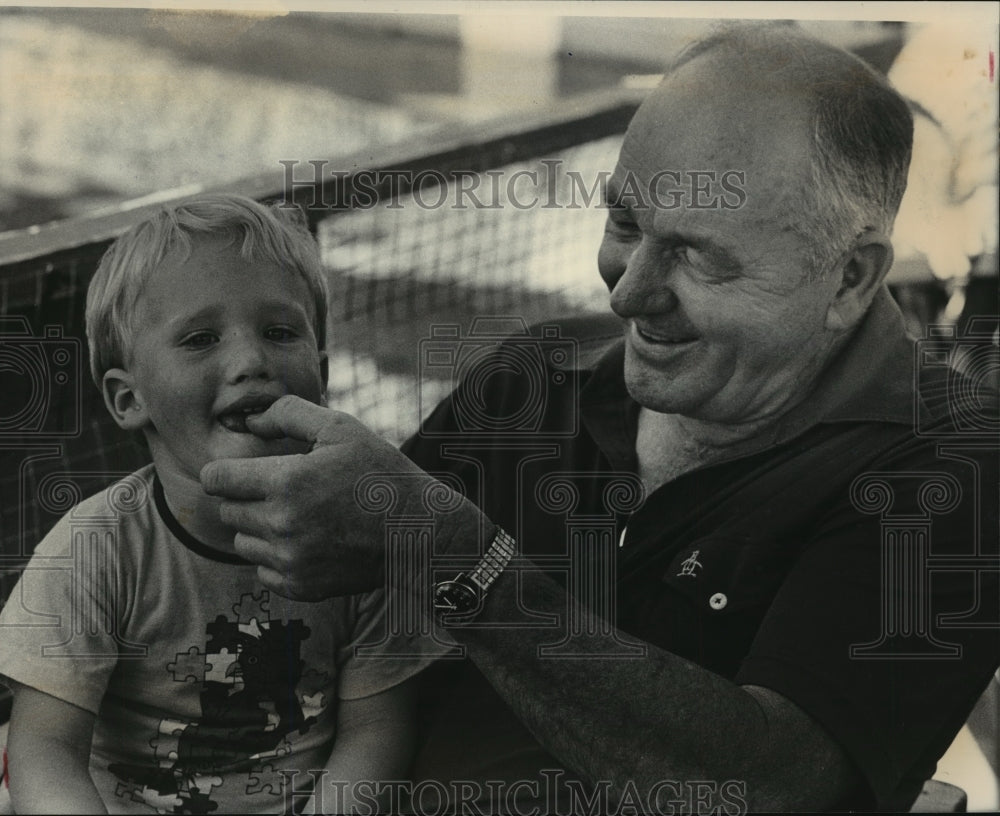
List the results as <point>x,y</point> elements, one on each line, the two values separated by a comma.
<point>248,360</point>
<point>645,287</point>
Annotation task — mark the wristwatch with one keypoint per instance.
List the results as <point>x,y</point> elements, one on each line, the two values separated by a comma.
<point>465,592</point>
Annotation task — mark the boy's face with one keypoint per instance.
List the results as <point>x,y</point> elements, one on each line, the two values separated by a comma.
<point>217,337</point>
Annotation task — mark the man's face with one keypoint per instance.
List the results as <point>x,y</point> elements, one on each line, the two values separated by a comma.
<point>723,324</point>
<point>218,337</point>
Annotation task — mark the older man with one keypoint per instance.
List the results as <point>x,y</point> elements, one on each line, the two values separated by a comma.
<point>748,651</point>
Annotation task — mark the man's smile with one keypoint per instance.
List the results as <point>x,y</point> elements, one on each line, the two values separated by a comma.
<point>656,342</point>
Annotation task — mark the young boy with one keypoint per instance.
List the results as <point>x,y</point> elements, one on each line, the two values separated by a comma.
<point>151,670</point>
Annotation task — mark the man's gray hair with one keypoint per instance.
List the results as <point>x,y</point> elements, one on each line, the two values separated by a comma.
<point>862,131</point>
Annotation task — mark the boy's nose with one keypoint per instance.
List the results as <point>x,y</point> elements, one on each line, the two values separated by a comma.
<point>248,360</point>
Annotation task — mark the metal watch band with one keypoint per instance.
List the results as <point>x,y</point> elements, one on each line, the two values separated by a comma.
<point>464,593</point>
<point>496,557</point>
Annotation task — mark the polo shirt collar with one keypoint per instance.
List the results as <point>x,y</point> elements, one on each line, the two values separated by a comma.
<point>870,379</point>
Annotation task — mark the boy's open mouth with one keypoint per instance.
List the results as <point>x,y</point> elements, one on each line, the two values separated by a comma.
<point>234,417</point>
<point>237,420</point>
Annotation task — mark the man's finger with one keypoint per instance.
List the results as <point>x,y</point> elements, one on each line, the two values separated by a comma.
<point>258,550</point>
<point>247,518</point>
<point>275,581</point>
<point>290,417</point>
<point>279,582</point>
<point>270,570</point>
<point>238,478</point>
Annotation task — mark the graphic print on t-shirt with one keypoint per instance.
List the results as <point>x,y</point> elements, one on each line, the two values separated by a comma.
<point>255,694</point>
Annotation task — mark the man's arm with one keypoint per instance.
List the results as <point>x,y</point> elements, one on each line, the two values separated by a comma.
<point>651,719</point>
<point>660,718</point>
<point>48,752</point>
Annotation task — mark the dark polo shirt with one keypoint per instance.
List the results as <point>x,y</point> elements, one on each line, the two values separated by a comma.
<point>849,562</point>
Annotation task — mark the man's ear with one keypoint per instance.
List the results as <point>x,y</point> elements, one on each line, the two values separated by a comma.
<point>860,274</point>
<point>124,402</point>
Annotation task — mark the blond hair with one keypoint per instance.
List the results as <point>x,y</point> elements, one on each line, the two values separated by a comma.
<point>273,233</point>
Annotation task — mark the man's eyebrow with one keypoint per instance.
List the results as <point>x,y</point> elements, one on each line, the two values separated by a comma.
<point>615,199</point>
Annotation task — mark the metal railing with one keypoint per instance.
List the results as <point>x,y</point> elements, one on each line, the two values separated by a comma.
<point>496,218</point>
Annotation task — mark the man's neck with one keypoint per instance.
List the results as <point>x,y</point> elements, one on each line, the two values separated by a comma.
<point>717,436</point>
<point>195,510</point>
<point>669,445</point>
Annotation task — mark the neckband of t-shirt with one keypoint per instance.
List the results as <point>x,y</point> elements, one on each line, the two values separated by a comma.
<point>184,536</point>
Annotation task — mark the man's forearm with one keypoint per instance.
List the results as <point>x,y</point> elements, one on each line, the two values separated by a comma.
<point>648,719</point>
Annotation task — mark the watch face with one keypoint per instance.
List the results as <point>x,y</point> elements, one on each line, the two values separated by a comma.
<point>455,596</point>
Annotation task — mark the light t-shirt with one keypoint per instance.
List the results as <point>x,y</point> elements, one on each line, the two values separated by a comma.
<point>205,684</point>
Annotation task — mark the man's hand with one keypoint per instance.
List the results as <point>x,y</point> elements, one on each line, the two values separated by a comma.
<point>299,517</point>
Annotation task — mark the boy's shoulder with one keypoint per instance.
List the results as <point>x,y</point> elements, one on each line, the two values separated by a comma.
<point>128,501</point>
<point>129,495</point>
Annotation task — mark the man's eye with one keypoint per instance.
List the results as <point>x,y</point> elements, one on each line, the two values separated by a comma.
<point>705,264</point>
<point>689,255</point>
<point>281,334</point>
<point>199,340</point>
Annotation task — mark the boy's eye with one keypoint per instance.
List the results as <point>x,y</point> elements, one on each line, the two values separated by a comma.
<point>199,340</point>
<point>281,334</point>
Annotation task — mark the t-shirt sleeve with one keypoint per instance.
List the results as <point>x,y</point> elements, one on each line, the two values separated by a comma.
<point>885,631</point>
<point>58,628</point>
<point>390,643</point>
